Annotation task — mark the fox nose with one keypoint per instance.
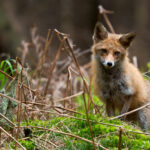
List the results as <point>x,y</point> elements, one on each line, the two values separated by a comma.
<point>109,64</point>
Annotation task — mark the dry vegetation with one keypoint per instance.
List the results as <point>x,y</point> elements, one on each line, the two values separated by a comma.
<point>53,106</point>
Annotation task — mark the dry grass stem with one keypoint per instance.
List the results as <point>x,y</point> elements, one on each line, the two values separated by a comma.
<point>12,138</point>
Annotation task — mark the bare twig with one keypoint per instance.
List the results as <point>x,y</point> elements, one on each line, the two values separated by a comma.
<point>12,138</point>
<point>19,95</point>
<point>66,90</point>
<point>69,97</point>
<point>130,112</point>
<point>1,115</point>
<point>105,12</point>
<point>12,99</point>
<point>47,44</point>
<point>70,110</point>
<point>49,142</point>
<point>53,66</point>
<point>87,115</point>
<point>80,72</point>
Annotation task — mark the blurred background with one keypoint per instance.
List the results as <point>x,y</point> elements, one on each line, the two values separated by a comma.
<point>75,17</point>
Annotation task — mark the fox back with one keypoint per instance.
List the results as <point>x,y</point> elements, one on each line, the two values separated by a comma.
<point>117,82</point>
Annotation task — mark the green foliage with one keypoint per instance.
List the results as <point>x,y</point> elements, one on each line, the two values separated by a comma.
<point>148,66</point>
<point>7,106</point>
<point>105,133</point>
<point>7,67</point>
<point>147,73</point>
<point>26,143</point>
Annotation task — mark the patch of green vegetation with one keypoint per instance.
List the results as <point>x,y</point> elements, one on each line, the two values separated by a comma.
<point>105,131</point>
<point>107,135</point>
<point>28,144</point>
<point>7,67</point>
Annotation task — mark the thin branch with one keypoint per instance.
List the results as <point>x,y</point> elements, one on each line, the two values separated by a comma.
<point>69,97</point>
<point>87,115</point>
<point>12,99</point>
<point>70,110</point>
<point>12,138</point>
<point>53,66</point>
<point>80,72</point>
<point>1,115</point>
<point>49,142</point>
<point>68,134</point>
<point>105,12</point>
<point>130,112</point>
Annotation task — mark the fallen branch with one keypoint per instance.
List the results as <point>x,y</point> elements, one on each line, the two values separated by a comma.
<point>12,99</point>
<point>1,115</point>
<point>69,97</point>
<point>68,134</point>
<point>12,138</point>
<point>130,112</point>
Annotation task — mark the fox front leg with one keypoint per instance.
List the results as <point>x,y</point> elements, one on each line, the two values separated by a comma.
<point>110,109</point>
<point>126,107</point>
<point>142,118</point>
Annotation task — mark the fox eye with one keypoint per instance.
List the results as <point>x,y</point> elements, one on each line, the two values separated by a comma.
<point>104,51</point>
<point>117,53</point>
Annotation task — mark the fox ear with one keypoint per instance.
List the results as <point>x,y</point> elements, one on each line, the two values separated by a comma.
<point>126,39</point>
<point>100,32</point>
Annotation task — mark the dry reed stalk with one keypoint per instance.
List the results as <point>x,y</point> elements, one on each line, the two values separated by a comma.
<point>53,67</point>
<point>70,110</point>
<point>70,81</point>
<point>15,140</point>
<point>25,51</point>
<point>104,12</point>
<point>49,40</point>
<point>87,115</point>
<point>0,137</point>
<point>89,102</point>
<point>47,44</point>
<point>19,96</point>
<point>49,142</point>
<point>68,97</point>
<point>1,115</point>
<point>66,90</point>
<point>80,72</point>
<point>130,112</point>
<point>12,99</point>
<point>25,109</point>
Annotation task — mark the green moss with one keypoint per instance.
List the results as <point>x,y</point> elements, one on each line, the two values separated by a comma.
<point>106,135</point>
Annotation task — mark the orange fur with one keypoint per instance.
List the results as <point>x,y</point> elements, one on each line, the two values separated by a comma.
<point>121,87</point>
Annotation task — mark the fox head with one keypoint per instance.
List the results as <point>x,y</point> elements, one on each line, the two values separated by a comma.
<point>109,48</point>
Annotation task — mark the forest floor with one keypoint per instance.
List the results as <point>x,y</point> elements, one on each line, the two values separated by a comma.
<point>53,106</point>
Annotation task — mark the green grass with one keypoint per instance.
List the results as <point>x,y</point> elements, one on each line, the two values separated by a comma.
<point>7,67</point>
<point>109,134</point>
<point>104,134</point>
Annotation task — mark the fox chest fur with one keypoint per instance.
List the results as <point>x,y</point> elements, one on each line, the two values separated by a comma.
<point>112,84</point>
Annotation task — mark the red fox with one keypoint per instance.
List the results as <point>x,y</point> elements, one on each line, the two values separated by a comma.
<point>117,82</point>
